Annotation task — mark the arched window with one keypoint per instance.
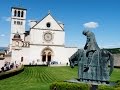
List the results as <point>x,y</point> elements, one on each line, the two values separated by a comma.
<point>22,14</point>
<point>15,13</point>
<point>18,13</point>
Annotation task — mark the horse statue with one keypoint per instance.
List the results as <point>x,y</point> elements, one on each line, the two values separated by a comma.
<point>92,61</point>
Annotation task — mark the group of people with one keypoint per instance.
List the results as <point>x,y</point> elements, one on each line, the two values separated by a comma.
<point>8,66</point>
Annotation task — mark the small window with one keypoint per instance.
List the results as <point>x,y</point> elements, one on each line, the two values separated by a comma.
<point>48,24</point>
<point>22,14</point>
<point>18,22</point>
<point>21,23</point>
<point>21,59</point>
<point>15,12</point>
<point>18,13</point>
<point>14,22</point>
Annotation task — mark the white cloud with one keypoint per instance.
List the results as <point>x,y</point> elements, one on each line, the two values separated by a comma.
<point>91,25</point>
<point>2,35</point>
<point>8,19</point>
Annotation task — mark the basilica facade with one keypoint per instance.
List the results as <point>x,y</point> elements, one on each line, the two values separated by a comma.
<point>43,43</point>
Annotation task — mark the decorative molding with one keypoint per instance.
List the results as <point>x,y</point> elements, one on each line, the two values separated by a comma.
<point>19,18</point>
<point>50,36</point>
<point>71,47</point>
<point>47,29</point>
<point>48,45</point>
<point>26,44</point>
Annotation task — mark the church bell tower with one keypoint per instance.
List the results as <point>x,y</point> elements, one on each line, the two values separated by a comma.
<point>18,21</point>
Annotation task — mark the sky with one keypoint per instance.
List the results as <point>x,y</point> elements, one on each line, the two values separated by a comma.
<point>104,15</point>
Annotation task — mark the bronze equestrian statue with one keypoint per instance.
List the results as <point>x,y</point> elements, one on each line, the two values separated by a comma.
<point>92,61</point>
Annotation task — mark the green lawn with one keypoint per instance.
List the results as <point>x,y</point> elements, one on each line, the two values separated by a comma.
<point>39,78</point>
<point>115,75</point>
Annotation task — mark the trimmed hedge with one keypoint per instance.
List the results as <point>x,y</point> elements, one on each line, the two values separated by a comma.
<point>105,87</point>
<point>81,86</point>
<point>69,86</point>
<point>10,73</point>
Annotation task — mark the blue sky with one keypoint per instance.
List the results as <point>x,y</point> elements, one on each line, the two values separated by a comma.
<point>73,13</point>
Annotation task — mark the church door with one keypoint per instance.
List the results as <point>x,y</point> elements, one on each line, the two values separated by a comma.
<point>49,57</point>
<point>47,54</point>
<point>44,57</point>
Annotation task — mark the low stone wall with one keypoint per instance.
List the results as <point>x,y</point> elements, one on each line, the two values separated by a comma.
<point>116,59</point>
<point>11,72</point>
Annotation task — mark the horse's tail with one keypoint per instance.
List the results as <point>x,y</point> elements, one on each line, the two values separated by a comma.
<point>111,58</point>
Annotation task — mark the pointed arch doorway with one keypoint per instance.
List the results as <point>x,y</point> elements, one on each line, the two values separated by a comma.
<point>47,55</point>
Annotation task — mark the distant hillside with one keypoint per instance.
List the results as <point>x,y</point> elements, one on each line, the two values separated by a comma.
<point>114,50</point>
<point>3,48</point>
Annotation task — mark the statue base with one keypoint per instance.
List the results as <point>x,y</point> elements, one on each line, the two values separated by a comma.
<point>92,82</point>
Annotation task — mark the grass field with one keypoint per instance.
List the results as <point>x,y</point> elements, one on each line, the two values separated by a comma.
<point>39,78</point>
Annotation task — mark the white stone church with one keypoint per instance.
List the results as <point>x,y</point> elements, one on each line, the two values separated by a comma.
<point>44,42</point>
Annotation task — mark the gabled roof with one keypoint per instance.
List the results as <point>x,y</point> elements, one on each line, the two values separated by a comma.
<point>48,18</point>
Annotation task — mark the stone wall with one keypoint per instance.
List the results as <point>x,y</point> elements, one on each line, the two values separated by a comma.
<point>116,59</point>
